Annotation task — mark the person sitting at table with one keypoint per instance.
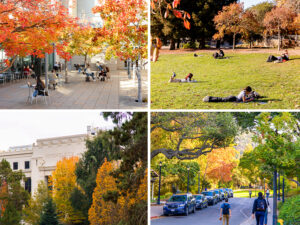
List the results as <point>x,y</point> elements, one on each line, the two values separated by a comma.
<point>26,71</point>
<point>52,79</point>
<point>39,88</point>
<point>88,72</point>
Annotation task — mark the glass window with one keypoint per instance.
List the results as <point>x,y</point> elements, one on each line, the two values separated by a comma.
<point>27,165</point>
<point>15,166</point>
<point>28,184</point>
<point>177,198</point>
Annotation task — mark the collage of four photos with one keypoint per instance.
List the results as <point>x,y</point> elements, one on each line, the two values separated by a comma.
<point>149,112</point>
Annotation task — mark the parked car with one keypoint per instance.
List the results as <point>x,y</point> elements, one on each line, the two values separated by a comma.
<point>223,194</point>
<point>218,194</point>
<point>201,201</point>
<point>211,197</point>
<point>230,192</point>
<point>180,204</point>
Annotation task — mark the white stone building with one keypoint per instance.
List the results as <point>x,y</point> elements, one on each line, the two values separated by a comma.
<point>37,161</point>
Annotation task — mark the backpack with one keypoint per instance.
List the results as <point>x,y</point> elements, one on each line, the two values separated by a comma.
<point>225,209</point>
<point>260,205</point>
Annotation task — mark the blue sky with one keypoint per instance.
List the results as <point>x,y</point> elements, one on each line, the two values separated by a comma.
<point>23,127</point>
<point>249,3</point>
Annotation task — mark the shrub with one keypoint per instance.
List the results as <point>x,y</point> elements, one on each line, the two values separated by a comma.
<point>290,211</point>
<point>189,45</point>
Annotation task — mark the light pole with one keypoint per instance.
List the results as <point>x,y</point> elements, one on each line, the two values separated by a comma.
<point>188,181</point>
<point>159,181</point>
<point>282,189</point>
<point>274,197</point>
<point>264,186</point>
<point>278,186</point>
<point>199,182</point>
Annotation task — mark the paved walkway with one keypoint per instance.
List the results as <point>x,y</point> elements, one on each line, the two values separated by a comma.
<point>117,93</point>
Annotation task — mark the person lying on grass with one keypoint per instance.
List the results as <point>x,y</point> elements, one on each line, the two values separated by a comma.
<point>187,79</point>
<point>219,55</point>
<point>246,95</point>
<point>279,59</point>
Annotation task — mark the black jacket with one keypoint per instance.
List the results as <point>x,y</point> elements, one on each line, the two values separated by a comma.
<point>254,209</point>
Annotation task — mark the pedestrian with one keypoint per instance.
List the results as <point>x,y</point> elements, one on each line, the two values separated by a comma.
<point>225,212</point>
<point>268,194</point>
<point>259,209</point>
<point>250,193</point>
<point>59,66</point>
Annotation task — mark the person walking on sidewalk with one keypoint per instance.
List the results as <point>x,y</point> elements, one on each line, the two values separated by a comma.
<point>259,209</point>
<point>268,194</point>
<point>225,212</point>
<point>250,193</point>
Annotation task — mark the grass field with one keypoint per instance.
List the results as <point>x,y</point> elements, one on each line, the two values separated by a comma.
<point>245,193</point>
<point>279,82</point>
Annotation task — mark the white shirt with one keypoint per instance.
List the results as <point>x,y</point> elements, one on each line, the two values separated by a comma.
<point>241,95</point>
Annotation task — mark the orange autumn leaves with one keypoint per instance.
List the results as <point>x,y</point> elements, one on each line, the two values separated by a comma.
<point>220,163</point>
<point>30,27</point>
<point>108,212</point>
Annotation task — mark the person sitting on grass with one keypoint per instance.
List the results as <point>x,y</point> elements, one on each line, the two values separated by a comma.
<point>279,59</point>
<point>219,55</point>
<point>187,79</point>
<point>246,95</point>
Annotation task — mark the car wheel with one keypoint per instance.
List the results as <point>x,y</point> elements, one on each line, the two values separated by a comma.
<point>186,211</point>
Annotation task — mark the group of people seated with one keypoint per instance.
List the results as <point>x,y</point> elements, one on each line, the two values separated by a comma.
<point>187,79</point>
<point>246,95</point>
<point>219,55</point>
<point>279,59</point>
<point>102,73</point>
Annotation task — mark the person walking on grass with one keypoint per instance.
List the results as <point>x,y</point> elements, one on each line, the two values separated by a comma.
<point>225,212</point>
<point>259,209</point>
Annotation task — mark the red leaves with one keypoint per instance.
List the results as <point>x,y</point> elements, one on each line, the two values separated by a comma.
<point>177,13</point>
<point>187,24</point>
<point>176,3</point>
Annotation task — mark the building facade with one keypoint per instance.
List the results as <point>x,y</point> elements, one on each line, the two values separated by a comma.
<point>38,161</point>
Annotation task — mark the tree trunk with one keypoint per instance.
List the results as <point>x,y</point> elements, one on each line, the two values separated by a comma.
<point>250,44</point>
<point>129,68</point>
<point>178,44</point>
<point>218,44</point>
<point>202,43</point>
<point>66,72</point>
<point>172,44</point>
<point>85,59</point>
<point>139,77</point>
<point>279,39</point>
<point>233,46</point>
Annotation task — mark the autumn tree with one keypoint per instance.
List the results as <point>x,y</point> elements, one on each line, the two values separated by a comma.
<point>278,21</point>
<point>104,212</point>
<point>33,210</point>
<point>30,27</point>
<point>192,134</point>
<point>125,31</point>
<point>250,27</point>
<point>228,21</point>
<point>13,196</point>
<point>63,180</point>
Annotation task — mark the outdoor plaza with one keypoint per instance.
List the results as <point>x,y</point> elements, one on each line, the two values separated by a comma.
<point>118,92</point>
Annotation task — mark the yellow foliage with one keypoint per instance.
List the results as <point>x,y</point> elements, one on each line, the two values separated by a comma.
<point>64,181</point>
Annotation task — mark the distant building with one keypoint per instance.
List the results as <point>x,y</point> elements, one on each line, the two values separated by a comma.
<point>38,161</point>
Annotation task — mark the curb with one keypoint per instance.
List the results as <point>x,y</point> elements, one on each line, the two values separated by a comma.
<point>156,217</point>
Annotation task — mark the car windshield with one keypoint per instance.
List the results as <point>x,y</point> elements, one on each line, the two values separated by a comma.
<point>177,198</point>
<point>207,193</point>
<point>198,197</point>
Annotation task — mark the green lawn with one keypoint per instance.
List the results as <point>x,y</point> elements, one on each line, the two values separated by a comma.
<point>279,82</point>
<point>245,193</point>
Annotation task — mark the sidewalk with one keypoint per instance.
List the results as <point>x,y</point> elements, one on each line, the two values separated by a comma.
<point>117,93</point>
<point>156,210</point>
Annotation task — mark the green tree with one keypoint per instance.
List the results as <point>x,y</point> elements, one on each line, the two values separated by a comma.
<point>32,212</point>
<point>14,197</point>
<point>190,135</point>
<point>49,215</point>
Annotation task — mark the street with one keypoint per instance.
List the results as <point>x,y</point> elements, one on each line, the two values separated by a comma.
<point>241,212</point>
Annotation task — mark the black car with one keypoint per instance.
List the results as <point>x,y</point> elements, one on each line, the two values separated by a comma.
<point>180,204</point>
<point>211,197</point>
<point>201,201</point>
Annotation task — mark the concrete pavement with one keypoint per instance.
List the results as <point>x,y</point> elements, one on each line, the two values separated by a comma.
<point>241,215</point>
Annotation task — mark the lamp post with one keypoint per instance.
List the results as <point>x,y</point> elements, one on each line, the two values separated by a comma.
<point>274,198</point>
<point>264,186</point>
<point>278,186</point>
<point>199,182</point>
<point>282,189</point>
<point>158,198</point>
<point>188,181</point>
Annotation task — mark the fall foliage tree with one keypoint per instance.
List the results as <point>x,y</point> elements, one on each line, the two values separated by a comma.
<point>250,27</point>
<point>32,212</point>
<point>278,21</point>
<point>228,21</point>
<point>63,180</point>
<point>104,212</point>
<point>30,27</point>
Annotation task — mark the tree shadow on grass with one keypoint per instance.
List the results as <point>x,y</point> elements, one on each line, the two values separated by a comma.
<point>294,59</point>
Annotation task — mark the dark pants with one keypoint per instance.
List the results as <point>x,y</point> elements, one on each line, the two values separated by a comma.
<point>225,99</point>
<point>260,216</point>
<point>272,58</point>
